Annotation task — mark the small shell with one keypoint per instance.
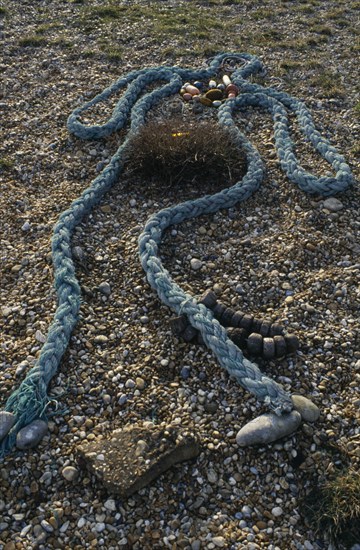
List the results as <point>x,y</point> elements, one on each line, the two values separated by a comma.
<point>226,80</point>
<point>212,84</point>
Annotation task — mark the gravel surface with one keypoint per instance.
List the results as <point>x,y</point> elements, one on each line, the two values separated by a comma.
<point>282,254</point>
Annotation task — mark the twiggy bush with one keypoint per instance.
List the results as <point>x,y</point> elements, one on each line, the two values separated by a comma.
<point>172,153</point>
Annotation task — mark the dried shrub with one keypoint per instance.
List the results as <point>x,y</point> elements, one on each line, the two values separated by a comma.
<point>334,509</point>
<point>173,154</point>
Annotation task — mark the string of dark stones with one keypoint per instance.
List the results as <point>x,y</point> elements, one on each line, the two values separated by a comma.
<point>258,337</point>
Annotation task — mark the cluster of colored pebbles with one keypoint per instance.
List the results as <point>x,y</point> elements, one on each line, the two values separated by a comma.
<point>258,337</point>
<point>211,94</point>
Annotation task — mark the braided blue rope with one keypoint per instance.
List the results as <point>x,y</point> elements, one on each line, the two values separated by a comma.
<point>30,400</point>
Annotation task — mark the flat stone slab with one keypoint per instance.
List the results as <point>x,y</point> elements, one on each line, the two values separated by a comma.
<point>132,457</point>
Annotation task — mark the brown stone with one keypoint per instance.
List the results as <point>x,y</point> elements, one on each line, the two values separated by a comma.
<point>134,456</point>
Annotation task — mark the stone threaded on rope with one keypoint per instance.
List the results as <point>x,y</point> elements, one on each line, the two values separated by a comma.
<point>30,400</point>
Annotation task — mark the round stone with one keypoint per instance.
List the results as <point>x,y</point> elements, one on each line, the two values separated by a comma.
<point>187,96</point>
<point>333,204</point>
<point>292,343</point>
<point>193,90</point>
<point>70,473</point>
<point>195,264</point>
<point>280,345</point>
<point>277,511</point>
<point>104,288</point>
<point>7,421</point>
<point>255,344</point>
<point>308,410</point>
<point>214,94</point>
<point>29,436</point>
<point>268,348</point>
<point>267,428</point>
<point>205,101</point>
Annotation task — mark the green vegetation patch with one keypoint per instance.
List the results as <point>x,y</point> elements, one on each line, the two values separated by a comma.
<point>33,41</point>
<point>6,163</point>
<point>334,508</point>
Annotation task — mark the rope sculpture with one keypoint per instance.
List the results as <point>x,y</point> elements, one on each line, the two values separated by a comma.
<point>30,400</point>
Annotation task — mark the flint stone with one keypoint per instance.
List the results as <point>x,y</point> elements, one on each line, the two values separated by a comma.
<point>125,470</point>
<point>7,421</point>
<point>29,436</point>
<point>308,410</point>
<point>267,428</point>
<point>333,204</point>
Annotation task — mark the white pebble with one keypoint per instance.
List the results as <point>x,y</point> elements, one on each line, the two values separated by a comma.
<point>70,473</point>
<point>277,511</point>
<point>195,264</point>
<point>110,505</point>
<point>26,226</point>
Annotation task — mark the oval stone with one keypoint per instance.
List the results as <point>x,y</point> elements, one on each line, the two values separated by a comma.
<point>308,410</point>
<point>212,84</point>
<point>29,436</point>
<point>216,103</point>
<point>226,80</point>
<point>187,96</point>
<point>267,428</point>
<point>232,89</point>
<point>193,90</point>
<point>205,101</point>
<point>214,94</point>
<point>7,421</point>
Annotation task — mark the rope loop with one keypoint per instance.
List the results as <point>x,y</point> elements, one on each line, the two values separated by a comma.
<point>30,400</point>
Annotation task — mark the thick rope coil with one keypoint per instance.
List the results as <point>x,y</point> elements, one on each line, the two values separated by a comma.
<point>30,400</point>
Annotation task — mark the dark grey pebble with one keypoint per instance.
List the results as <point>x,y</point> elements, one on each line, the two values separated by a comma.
<point>29,436</point>
<point>7,421</point>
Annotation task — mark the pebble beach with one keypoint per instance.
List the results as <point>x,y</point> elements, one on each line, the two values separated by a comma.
<point>282,255</point>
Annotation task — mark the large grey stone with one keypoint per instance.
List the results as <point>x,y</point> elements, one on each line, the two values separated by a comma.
<point>7,421</point>
<point>267,428</point>
<point>333,204</point>
<point>134,456</point>
<point>308,410</point>
<point>29,436</point>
